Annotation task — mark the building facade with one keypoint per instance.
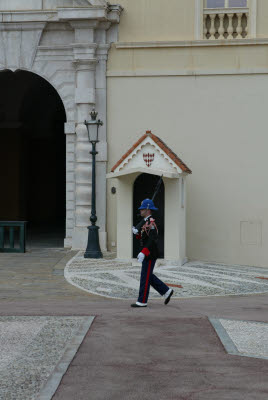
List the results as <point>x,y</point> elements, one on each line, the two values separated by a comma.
<point>193,72</point>
<point>66,44</point>
<point>170,72</point>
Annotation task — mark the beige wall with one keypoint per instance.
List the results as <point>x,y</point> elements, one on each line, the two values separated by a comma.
<point>188,60</point>
<point>153,55</point>
<point>217,125</point>
<point>208,103</point>
<point>262,18</point>
<point>144,20</point>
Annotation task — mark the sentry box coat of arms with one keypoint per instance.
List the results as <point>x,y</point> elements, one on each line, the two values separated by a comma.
<point>148,159</point>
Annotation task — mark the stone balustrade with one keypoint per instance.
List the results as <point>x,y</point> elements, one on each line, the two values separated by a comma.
<point>225,23</point>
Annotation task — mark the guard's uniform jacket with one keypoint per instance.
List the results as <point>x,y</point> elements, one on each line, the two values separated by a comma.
<point>148,237</point>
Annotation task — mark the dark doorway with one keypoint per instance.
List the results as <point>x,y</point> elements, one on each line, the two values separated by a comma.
<point>33,157</point>
<point>143,188</point>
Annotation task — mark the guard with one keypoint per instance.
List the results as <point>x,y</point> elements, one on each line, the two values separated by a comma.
<point>147,233</point>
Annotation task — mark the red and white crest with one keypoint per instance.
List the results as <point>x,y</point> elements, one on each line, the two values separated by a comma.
<point>148,158</point>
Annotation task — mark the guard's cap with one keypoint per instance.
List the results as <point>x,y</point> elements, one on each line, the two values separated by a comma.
<point>147,204</point>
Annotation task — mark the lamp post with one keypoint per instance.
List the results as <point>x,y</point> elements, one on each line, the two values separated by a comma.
<point>93,246</point>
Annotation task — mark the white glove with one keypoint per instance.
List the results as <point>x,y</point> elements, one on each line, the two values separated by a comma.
<point>140,257</point>
<point>134,230</point>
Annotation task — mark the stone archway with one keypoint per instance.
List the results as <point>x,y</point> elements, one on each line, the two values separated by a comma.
<point>33,156</point>
<point>67,44</point>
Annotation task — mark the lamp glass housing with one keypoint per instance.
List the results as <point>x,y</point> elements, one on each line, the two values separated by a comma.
<point>93,132</point>
<point>93,127</point>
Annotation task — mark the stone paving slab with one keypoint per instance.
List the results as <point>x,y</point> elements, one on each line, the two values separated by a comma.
<point>37,274</point>
<point>113,279</point>
<point>243,338</point>
<point>36,352</point>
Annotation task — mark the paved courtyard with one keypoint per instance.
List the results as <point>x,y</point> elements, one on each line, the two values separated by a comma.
<point>86,342</point>
<point>110,278</point>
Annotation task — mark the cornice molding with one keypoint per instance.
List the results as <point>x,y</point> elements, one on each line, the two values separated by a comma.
<point>85,64</point>
<point>86,13</point>
<point>25,26</point>
<point>28,16</point>
<point>114,12</point>
<point>109,13</point>
<point>192,43</point>
<point>228,10</point>
<point>182,72</point>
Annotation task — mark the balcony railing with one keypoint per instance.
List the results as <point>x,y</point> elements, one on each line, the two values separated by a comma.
<point>225,23</point>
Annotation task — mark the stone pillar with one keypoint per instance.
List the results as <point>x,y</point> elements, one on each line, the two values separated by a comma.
<point>70,182</point>
<point>101,167</point>
<point>90,58</point>
<point>85,101</point>
<point>85,98</point>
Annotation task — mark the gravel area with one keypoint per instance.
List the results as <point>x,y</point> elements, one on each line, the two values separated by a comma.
<point>250,338</point>
<point>31,348</point>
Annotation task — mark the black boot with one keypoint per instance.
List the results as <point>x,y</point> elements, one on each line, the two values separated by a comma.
<point>168,298</point>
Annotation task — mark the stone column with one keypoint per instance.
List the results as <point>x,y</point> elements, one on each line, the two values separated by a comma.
<point>101,167</point>
<point>85,101</point>
<point>90,57</point>
<point>70,182</point>
<point>85,61</point>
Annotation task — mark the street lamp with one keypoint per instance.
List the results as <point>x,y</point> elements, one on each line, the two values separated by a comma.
<point>93,246</point>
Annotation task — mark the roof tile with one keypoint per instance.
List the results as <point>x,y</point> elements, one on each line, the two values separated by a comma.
<point>162,145</point>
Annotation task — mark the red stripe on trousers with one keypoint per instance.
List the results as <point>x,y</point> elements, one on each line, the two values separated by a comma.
<point>147,280</point>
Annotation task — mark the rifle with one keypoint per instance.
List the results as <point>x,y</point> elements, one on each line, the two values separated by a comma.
<point>139,225</point>
<point>157,187</point>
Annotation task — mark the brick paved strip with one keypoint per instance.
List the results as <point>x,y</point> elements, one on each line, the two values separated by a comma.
<point>261,277</point>
<point>149,355</point>
<point>172,285</point>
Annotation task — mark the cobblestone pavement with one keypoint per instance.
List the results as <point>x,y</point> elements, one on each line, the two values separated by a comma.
<point>157,352</point>
<point>38,273</point>
<point>110,278</point>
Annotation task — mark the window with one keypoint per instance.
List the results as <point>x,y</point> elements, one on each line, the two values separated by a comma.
<point>225,3</point>
<point>226,19</point>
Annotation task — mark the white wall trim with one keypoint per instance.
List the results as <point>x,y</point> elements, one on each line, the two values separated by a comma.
<point>192,43</point>
<point>198,31</point>
<point>253,18</point>
<point>196,72</point>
